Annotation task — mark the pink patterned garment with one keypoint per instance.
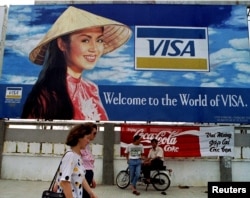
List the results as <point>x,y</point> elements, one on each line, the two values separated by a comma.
<point>85,98</point>
<point>87,158</point>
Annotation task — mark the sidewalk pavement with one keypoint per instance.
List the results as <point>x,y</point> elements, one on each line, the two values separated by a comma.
<point>34,189</point>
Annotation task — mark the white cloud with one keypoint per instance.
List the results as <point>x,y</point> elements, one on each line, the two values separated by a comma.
<point>209,84</point>
<point>243,67</point>
<point>29,37</point>
<point>242,79</point>
<point>23,45</point>
<point>217,82</point>
<point>110,75</point>
<point>212,31</point>
<point>220,80</point>
<point>12,79</point>
<point>228,56</point>
<point>15,27</point>
<point>241,44</point>
<point>119,61</point>
<point>236,18</point>
<point>212,74</point>
<point>189,76</point>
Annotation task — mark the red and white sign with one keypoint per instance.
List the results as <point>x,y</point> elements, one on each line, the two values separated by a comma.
<point>182,141</point>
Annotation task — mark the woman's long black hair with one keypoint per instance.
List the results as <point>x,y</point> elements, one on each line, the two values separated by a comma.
<point>49,98</point>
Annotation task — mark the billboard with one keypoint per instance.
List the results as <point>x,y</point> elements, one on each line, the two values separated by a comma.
<point>181,63</point>
<point>182,141</point>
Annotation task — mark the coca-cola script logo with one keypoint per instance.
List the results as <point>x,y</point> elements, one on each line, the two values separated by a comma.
<point>167,139</point>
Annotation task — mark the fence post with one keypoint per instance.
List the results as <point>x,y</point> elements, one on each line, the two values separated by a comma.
<point>225,169</point>
<point>108,154</point>
<point>2,132</point>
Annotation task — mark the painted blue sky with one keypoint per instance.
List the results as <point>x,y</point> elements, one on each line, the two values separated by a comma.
<point>228,44</point>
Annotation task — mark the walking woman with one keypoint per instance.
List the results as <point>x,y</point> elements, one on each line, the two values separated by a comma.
<point>71,175</point>
<point>88,161</point>
<point>134,152</point>
<point>75,43</point>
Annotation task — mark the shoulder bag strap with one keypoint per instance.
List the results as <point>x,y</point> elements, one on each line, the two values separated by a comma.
<point>54,178</point>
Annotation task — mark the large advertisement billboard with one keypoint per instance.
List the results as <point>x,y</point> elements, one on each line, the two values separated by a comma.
<point>127,62</point>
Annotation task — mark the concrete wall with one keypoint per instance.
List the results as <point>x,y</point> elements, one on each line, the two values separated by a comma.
<point>34,154</point>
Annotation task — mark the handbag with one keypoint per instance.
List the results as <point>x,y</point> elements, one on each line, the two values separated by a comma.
<point>50,193</point>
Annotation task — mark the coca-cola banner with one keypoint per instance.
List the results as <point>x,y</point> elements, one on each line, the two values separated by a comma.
<point>182,141</point>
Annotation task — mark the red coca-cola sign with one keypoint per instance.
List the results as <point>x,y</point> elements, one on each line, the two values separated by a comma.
<point>176,141</point>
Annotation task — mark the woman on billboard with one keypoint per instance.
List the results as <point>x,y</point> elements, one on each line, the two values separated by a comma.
<point>74,43</point>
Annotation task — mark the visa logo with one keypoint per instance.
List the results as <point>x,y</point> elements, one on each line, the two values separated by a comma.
<point>13,92</point>
<point>171,48</point>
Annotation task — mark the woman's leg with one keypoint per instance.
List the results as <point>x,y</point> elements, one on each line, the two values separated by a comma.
<point>89,177</point>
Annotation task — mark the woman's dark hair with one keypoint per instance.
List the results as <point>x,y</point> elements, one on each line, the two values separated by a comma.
<point>49,98</point>
<point>77,132</point>
<point>91,124</point>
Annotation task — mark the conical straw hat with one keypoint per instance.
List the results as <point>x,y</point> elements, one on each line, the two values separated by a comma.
<point>73,19</point>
